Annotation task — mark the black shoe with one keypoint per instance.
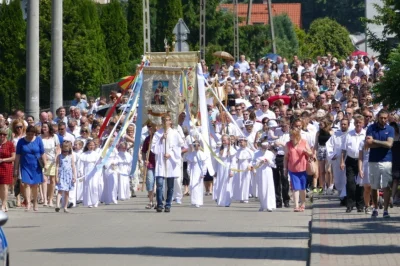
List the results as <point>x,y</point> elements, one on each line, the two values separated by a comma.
<point>167,210</point>
<point>360,210</point>
<point>159,209</point>
<point>349,209</point>
<point>279,205</point>
<point>133,195</point>
<point>287,205</point>
<point>70,205</point>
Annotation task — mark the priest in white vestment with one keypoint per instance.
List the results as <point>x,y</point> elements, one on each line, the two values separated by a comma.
<point>333,152</point>
<point>166,145</point>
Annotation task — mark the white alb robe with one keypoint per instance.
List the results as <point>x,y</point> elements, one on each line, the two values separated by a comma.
<point>93,178</point>
<point>76,193</point>
<point>223,191</point>
<point>334,154</point>
<point>197,169</point>
<point>124,165</point>
<point>241,180</point>
<point>110,194</point>
<point>171,167</point>
<point>265,179</point>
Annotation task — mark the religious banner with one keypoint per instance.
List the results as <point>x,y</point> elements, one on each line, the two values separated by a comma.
<point>186,61</point>
<point>161,93</point>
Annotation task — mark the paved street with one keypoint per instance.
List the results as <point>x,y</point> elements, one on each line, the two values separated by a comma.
<point>127,234</point>
<point>340,238</point>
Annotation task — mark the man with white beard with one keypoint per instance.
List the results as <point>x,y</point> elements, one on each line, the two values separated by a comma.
<point>333,150</point>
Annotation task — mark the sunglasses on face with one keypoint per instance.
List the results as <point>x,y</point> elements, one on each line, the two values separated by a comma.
<point>65,151</point>
<point>2,134</point>
<point>18,127</point>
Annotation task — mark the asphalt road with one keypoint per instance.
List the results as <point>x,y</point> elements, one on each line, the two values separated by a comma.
<point>128,234</point>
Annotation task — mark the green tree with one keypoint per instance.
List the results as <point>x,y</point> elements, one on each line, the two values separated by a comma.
<point>114,27</point>
<point>326,35</point>
<point>388,89</point>
<point>301,38</point>
<point>135,28</point>
<point>390,19</point>
<point>12,56</point>
<point>259,45</point>
<point>287,43</point>
<point>85,55</point>
<point>168,14</point>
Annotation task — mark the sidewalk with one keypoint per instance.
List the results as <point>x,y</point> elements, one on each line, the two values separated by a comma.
<point>339,238</point>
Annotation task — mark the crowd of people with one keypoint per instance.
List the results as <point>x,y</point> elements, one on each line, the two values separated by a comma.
<point>305,126</point>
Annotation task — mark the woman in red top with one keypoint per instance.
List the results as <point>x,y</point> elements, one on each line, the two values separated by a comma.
<point>297,152</point>
<point>7,156</point>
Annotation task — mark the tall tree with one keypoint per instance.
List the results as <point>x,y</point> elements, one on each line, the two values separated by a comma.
<point>12,56</point>
<point>85,55</point>
<point>387,90</point>
<point>135,28</point>
<point>326,35</point>
<point>114,27</point>
<point>168,14</point>
<point>388,17</point>
<point>287,43</point>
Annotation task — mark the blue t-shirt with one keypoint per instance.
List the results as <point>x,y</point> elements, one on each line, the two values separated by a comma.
<point>380,154</point>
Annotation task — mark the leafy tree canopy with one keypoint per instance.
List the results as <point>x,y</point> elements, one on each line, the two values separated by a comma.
<point>389,18</point>
<point>326,35</point>
<point>387,90</point>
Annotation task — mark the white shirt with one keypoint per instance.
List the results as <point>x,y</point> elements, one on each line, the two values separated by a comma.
<point>283,137</point>
<point>69,137</point>
<point>260,115</point>
<point>352,141</point>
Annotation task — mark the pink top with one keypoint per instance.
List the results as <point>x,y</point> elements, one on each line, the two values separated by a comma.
<point>297,159</point>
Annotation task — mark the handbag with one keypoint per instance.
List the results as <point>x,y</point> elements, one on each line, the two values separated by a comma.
<point>310,167</point>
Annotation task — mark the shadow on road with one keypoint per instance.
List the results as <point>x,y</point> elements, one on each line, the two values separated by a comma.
<point>272,253</point>
<point>267,235</point>
<point>356,250</point>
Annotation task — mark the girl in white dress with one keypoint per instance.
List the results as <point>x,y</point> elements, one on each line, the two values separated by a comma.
<point>110,194</point>
<point>241,180</point>
<point>76,195</point>
<point>197,169</point>
<point>224,174</point>
<point>263,162</point>
<point>124,165</point>
<point>93,179</point>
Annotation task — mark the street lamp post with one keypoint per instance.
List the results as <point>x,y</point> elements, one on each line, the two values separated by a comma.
<point>32,60</point>
<point>56,76</point>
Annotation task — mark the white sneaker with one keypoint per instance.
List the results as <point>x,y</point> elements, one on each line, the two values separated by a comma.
<point>178,202</point>
<point>329,191</point>
<point>269,210</point>
<point>197,206</point>
<point>245,201</point>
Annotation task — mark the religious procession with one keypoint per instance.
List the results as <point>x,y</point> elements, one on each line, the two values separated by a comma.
<point>276,131</point>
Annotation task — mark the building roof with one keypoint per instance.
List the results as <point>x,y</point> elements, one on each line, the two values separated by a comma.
<point>259,12</point>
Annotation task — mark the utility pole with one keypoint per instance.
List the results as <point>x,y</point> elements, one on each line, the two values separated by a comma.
<point>202,29</point>
<point>236,30</point>
<point>146,27</point>
<point>271,24</point>
<point>249,9</point>
<point>32,60</point>
<point>56,76</point>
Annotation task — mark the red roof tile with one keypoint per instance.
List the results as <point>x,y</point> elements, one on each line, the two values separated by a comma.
<point>259,12</point>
